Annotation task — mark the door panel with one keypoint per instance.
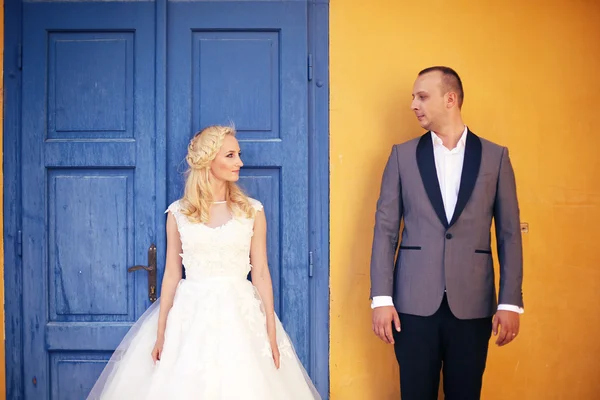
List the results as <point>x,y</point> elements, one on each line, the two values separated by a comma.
<point>245,64</point>
<point>88,187</point>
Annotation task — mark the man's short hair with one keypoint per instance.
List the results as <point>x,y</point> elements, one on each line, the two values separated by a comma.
<point>450,80</point>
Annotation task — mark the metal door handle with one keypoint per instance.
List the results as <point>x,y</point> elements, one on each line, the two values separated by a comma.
<point>151,269</point>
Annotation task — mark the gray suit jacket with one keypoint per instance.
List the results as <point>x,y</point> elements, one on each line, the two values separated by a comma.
<point>436,255</point>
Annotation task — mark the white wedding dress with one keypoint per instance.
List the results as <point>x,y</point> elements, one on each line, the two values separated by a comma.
<point>216,345</point>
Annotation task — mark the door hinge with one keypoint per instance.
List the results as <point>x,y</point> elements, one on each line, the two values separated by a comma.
<point>20,57</point>
<point>310,67</point>
<point>19,243</point>
<point>310,264</point>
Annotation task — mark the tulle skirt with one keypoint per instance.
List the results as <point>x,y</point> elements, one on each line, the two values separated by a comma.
<point>216,347</point>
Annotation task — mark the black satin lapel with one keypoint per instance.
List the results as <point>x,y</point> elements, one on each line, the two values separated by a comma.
<point>470,170</point>
<point>426,163</point>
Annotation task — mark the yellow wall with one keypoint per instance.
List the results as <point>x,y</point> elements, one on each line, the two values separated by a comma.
<point>531,81</point>
<point>2,368</point>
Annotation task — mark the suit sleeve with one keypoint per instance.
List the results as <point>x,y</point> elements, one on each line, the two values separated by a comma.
<point>508,235</point>
<point>387,227</point>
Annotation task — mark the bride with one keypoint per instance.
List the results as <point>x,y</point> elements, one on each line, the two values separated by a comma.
<point>213,335</point>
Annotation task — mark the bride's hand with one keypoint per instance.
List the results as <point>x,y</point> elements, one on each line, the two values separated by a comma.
<point>275,351</point>
<point>157,350</point>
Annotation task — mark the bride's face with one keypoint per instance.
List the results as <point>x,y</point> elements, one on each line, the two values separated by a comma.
<point>226,165</point>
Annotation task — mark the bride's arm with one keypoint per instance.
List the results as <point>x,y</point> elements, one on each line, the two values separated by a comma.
<point>261,278</point>
<point>172,274</point>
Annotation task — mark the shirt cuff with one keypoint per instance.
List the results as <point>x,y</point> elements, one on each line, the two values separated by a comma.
<point>509,307</point>
<point>381,301</point>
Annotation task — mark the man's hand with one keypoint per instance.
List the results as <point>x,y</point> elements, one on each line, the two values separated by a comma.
<point>509,323</point>
<point>382,323</point>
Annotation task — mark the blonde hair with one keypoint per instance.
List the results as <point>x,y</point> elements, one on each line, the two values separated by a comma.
<point>198,196</point>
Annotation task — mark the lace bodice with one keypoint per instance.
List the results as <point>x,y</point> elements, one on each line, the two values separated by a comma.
<point>221,252</point>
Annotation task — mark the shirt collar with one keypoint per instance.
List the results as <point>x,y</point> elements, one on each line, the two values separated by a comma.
<point>437,141</point>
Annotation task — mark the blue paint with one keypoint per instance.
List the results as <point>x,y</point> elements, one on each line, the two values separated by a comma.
<point>99,65</point>
<point>160,85</point>
<point>13,304</point>
<point>249,63</point>
<point>265,183</point>
<point>88,282</point>
<point>88,184</point>
<point>318,36</point>
<point>72,370</point>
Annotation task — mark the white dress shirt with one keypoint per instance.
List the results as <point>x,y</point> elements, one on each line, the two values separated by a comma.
<point>448,165</point>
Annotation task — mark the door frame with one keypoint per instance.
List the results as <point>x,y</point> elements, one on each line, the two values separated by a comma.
<point>318,130</point>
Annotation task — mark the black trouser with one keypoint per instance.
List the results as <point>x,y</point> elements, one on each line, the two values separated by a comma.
<point>425,345</point>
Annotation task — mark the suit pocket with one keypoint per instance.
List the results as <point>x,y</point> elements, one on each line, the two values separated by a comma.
<point>410,247</point>
<point>483,251</point>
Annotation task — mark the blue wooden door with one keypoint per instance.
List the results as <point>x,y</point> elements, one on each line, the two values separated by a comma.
<point>88,181</point>
<point>98,170</point>
<point>246,63</point>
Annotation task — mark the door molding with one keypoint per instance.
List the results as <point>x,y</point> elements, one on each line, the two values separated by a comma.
<point>11,154</point>
<point>318,126</point>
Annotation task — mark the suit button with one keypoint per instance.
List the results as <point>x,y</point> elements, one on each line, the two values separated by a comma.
<point>448,236</point>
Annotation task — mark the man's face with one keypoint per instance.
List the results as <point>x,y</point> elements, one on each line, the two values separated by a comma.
<point>429,103</point>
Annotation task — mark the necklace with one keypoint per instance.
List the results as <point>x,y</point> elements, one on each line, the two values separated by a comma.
<point>220,202</point>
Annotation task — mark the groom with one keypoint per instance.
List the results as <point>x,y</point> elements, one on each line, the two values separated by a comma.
<point>437,302</point>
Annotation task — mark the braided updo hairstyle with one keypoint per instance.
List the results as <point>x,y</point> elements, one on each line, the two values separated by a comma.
<point>198,196</point>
